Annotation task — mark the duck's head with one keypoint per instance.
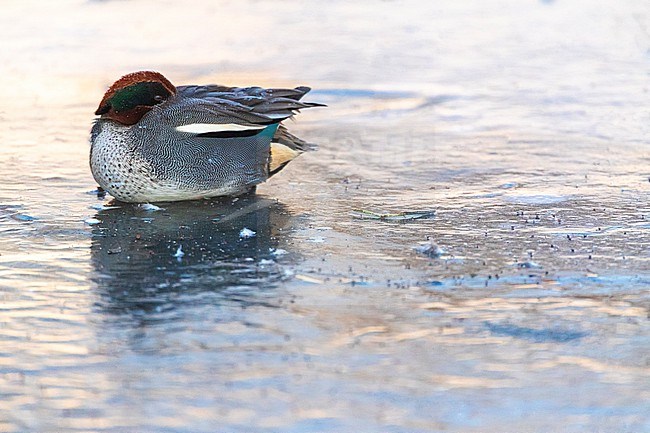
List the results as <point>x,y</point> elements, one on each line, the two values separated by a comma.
<point>133,95</point>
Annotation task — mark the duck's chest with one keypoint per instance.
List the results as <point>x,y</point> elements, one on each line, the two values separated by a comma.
<point>116,166</point>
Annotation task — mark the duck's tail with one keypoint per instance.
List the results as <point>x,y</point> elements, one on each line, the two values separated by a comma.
<point>285,147</point>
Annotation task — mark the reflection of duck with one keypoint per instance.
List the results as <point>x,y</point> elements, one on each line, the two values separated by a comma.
<point>148,261</point>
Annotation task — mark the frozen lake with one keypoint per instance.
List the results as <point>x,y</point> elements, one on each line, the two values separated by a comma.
<point>522,305</point>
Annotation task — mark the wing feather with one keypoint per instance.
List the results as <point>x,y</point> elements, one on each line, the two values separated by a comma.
<point>251,104</point>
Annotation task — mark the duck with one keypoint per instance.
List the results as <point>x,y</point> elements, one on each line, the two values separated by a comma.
<point>156,142</point>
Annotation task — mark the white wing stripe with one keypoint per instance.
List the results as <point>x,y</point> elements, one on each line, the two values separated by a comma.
<point>204,128</point>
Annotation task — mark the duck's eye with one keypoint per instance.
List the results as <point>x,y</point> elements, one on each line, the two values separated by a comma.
<point>158,98</point>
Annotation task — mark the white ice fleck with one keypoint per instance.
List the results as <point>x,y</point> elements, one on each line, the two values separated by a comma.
<point>430,249</point>
<point>529,265</point>
<point>150,207</point>
<point>99,206</point>
<point>278,252</point>
<point>316,239</point>
<point>246,233</point>
<point>92,221</point>
<point>179,253</point>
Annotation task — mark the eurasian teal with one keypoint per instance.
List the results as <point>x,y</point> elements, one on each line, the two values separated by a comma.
<point>156,142</point>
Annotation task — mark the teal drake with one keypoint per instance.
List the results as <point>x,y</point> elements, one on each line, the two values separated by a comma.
<point>156,142</point>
